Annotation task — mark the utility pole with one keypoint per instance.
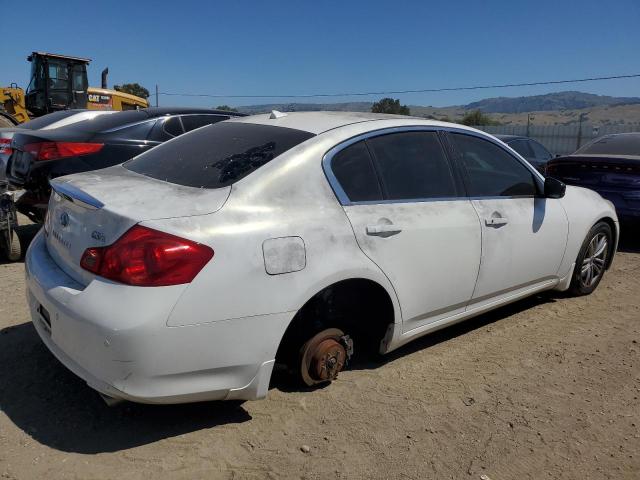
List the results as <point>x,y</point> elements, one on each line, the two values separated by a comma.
<point>156,94</point>
<point>529,119</point>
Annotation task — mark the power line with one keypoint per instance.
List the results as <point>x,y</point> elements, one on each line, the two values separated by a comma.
<point>396,92</point>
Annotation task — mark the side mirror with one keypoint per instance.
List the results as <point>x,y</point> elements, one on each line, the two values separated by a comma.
<point>554,188</point>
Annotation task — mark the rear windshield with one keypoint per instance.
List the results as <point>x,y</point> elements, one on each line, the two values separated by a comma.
<point>218,155</point>
<point>623,144</point>
<point>48,119</point>
<point>107,122</point>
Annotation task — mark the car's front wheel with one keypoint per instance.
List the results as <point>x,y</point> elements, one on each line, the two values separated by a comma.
<point>592,260</point>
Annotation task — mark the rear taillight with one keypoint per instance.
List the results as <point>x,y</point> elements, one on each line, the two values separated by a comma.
<point>56,150</point>
<point>5,146</point>
<point>147,258</point>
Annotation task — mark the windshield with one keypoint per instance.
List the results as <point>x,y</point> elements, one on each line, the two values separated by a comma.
<point>218,155</point>
<point>622,144</point>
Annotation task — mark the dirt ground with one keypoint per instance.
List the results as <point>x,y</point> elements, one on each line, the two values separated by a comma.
<point>546,388</point>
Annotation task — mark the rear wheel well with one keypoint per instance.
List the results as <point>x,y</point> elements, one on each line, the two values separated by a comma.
<point>359,307</point>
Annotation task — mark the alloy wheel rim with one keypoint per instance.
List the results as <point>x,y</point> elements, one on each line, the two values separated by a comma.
<point>594,261</point>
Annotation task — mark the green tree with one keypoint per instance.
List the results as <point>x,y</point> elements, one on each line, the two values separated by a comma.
<point>390,105</point>
<point>477,118</point>
<point>226,108</point>
<point>133,89</point>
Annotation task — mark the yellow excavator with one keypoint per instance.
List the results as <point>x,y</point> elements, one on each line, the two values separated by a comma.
<point>59,82</point>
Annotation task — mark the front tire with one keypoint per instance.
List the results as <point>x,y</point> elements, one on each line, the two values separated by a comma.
<point>592,260</point>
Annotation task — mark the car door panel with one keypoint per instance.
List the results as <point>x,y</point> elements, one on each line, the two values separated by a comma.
<point>411,218</point>
<point>433,259</point>
<point>524,235</point>
<point>523,242</point>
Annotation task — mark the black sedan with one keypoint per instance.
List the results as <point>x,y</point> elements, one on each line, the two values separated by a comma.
<point>610,165</point>
<point>41,155</point>
<point>534,152</point>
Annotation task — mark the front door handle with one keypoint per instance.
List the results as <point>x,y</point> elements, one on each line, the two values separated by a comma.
<point>496,221</point>
<point>383,230</point>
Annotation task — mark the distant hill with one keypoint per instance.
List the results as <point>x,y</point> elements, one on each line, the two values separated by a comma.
<point>561,108</point>
<point>548,102</point>
<point>307,107</point>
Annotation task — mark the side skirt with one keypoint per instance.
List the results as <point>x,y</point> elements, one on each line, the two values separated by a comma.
<point>406,337</point>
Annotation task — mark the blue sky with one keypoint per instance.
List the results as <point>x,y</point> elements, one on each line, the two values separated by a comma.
<point>299,47</point>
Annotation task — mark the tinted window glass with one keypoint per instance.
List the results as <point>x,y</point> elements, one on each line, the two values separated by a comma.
<point>491,170</point>
<point>539,152</point>
<point>217,155</point>
<point>139,131</point>
<point>622,144</point>
<point>522,147</point>
<point>354,171</point>
<point>173,127</point>
<point>412,165</point>
<point>191,122</point>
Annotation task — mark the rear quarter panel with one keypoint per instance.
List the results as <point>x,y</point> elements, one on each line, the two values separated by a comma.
<point>289,197</point>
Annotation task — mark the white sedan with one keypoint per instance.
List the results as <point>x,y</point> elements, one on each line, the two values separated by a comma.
<point>186,273</point>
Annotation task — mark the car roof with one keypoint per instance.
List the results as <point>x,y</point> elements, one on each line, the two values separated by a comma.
<point>120,119</point>
<point>152,112</point>
<point>320,122</point>
<point>505,138</point>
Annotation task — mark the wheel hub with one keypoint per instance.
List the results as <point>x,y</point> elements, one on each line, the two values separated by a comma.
<point>327,360</point>
<point>324,356</point>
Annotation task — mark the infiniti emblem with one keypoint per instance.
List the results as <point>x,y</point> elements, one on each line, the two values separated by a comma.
<point>64,219</point>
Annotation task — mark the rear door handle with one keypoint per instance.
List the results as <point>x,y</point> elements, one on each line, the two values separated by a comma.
<point>496,221</point>
<point>383,230</point>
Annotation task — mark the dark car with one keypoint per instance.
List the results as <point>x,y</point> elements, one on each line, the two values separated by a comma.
<point>40,155</point>
<point>534,152</point>
<point>610,165</point>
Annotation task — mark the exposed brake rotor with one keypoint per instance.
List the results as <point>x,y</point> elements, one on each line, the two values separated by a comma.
<point>324,356</point>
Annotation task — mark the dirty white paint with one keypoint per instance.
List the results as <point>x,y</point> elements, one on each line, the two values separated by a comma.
<point>284,255</point>
<point>279,236</point>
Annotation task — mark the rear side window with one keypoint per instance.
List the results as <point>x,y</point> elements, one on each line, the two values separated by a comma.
<point>491,171</point>
<point>191,122</point>
<point>354,171</point>
<point>412,165</point>
<point>218,155</point>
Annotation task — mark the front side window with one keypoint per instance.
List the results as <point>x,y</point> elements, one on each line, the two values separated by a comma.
<point>412,165</point>
<point>353,169</point>
<point>491,170</point>
<point>58,75</point>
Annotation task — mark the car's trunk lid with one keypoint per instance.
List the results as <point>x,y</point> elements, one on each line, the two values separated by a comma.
<point>94,209</point>
<point>615,171</point>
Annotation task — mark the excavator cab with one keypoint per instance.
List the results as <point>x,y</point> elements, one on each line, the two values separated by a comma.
<point>58,82</point>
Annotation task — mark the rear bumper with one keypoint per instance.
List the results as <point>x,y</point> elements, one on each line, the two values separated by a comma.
<point>116,339</point>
